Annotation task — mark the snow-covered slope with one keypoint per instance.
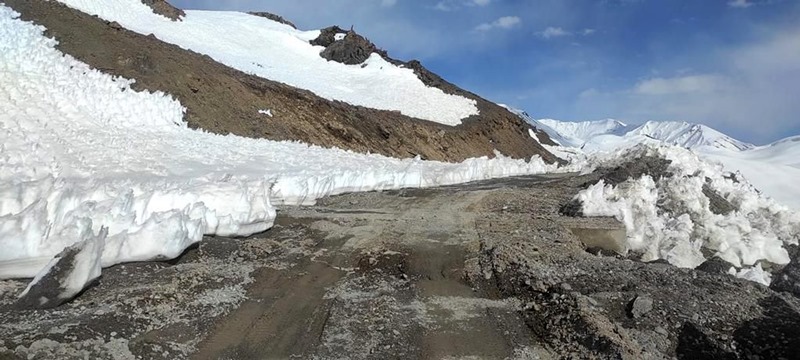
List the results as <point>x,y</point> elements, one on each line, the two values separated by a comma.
<point>81,151</point>
<point>278,52</point>
<point>774,169</point>
<point>688,135</point>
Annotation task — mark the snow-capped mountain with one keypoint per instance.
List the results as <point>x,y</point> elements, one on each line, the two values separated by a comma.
<point>679,133</point>
<point>688,135</point>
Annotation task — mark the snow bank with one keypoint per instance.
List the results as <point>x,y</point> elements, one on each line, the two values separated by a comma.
<point>81,151</point>
<point>275,51</point>
<point>671,218</point>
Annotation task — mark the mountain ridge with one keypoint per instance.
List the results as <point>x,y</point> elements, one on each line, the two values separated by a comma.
<point>224,100</point>
<point>679,133</point>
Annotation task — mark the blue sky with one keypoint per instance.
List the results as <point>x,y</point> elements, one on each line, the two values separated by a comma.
<point>731,64</point>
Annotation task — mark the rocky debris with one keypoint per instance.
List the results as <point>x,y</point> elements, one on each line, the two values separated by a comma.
<point>788,278</point>
<point>693,344</point>
<point>775,335</point>
<point>653,166</point>
<point>212,92</point>
<point>273,17</point>
<point>640,306</point>
<point>79,263</point>
<point>163,8</point>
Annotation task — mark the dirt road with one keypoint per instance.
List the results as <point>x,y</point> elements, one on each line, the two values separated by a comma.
<point>489,270</point>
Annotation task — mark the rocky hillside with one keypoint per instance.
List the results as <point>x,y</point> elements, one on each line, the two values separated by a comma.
<point>224,100</point>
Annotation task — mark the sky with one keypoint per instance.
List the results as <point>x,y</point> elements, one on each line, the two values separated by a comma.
<point>731,64</point>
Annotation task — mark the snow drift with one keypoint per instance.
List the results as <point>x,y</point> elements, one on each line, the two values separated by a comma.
<point>671,218</point>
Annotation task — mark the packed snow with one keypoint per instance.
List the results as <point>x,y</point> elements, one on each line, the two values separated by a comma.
<point>671,218</point>
<point>81,151</point>
<point>278,52</point>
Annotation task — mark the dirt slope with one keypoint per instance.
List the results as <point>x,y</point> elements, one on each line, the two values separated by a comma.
<point>224,100</point>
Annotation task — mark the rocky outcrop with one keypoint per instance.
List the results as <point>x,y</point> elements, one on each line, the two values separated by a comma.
<point>163,8</point>
<point>346,47</point>
<point>273,17</point>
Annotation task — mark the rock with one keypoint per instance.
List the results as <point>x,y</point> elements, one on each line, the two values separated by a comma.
<point>327,36</point>
<point>273,17</point>
<point>574,208</point>
<point>714,265</point>
<point>717,204</point>
<point>72,269</point>
<point>640,306</point>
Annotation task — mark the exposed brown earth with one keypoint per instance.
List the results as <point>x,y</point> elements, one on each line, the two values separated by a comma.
<point>224,100</point>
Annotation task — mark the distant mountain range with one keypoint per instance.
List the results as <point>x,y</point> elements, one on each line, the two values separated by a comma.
<point>679,133</point>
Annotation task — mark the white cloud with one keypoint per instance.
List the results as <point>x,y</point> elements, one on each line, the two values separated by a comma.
<point>588,32</point>
<point>505,22</point>
<point>388,3</point>
<point>742,4</point>
<point>444,6</point>
<point>680,85</point>
<point>752,93</point>
<point>553,32</point>
<point>451,5</point>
